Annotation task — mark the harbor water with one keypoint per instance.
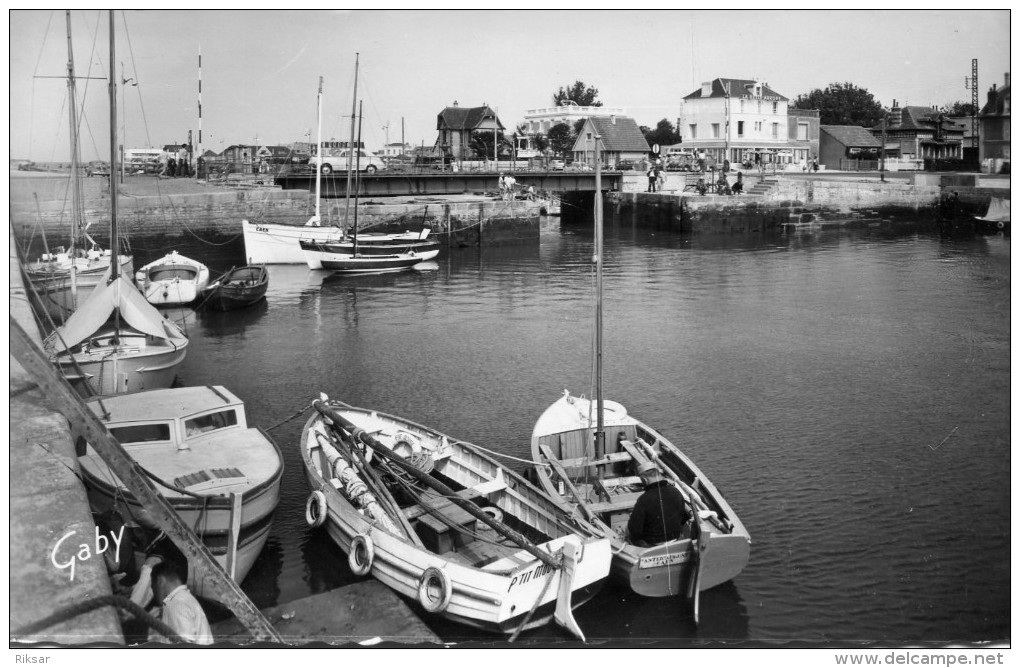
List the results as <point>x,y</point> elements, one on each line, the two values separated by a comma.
<point>847,390</point>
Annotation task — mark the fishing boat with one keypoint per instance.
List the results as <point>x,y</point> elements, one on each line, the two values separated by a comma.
<point>116,342</point>
<point>197,448</point>
<point>997,215</point>
<point>596,477</point>
<point>237,288</point>
<point>172,280</point>
<point>440,521</point>
<point>64,278</point>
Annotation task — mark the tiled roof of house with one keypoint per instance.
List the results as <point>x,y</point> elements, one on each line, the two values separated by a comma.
<point>463,118</point>
<point>852,135</point>
<point>997,104</point>
<point>737,87</point>
<point>623,135</point>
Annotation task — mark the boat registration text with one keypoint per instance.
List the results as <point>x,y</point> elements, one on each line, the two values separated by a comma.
<point>664,560</point>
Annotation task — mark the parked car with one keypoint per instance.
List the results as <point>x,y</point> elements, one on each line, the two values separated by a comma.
<point>337,162</point>
<point>557,164</point>
<point>626,165</point>
<point>97,168</point>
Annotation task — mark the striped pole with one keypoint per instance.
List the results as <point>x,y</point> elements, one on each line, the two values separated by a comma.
<point>198,146</point>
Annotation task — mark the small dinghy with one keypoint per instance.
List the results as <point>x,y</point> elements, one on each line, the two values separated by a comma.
<point>440,521</point>
<point>237,288</point>
<point>997,216</point>
<point>172,280</point>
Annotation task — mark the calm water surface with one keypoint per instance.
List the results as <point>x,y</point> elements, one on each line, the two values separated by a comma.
<point>847,391</point>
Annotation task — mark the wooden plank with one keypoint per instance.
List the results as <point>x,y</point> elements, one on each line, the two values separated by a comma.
<point>551,458</point>
<point>635,452</point>
<point>66,400</point>
<point>233,534</point>
<point>611,458</point>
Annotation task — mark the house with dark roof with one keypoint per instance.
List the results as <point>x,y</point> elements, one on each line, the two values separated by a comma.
<point>920,133</point>
<point>621,139</point>
<point>846,146</point>
<point>994,130</point>
<point>455,125</point>
<point>737,119</point>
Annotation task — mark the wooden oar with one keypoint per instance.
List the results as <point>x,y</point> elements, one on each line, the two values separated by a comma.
<point>382,450</point>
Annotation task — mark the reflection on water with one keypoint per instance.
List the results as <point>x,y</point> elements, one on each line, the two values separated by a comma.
<point>847,390</point>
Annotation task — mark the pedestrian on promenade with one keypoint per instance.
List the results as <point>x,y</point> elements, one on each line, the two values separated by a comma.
<point>815,163</point>
<point>182,161</point>
<point>651,179</point>
<point>502,186</point>
<point>171,166</point>
<point>509,182</point>
<point>738,187</point>
<point>163,158</point>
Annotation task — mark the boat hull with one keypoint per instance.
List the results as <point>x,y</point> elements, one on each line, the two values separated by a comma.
<point>348,263</point>
<point>134,365</point>
<point>53,284</point>
<point>237,289</point>
<point>173,280</point>
<point>490,596</point>
<point>660,570</point>
<point>278,243</point>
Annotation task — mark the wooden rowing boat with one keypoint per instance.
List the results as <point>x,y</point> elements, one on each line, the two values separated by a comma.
<point>440,521</point>
<point>237,288</point>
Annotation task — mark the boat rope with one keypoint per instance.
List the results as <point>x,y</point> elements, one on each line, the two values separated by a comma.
<point>500,454</point>
<point>120,602</point>
<point>299,413</point>
<point>531,613</point>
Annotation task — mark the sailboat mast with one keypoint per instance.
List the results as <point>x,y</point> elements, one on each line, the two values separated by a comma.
<point>114,241</point>
<point>76,201</point>
<point>318,152</point>
<point>350,155</point>
<point>600,428</point>
<point>357,184</point>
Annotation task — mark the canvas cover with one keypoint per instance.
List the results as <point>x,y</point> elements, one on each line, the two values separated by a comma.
<point>120,295</point>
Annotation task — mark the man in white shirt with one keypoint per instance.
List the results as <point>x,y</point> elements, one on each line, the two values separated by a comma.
<point>180,609</point>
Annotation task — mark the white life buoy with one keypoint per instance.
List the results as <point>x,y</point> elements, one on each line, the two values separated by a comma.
<point>406,444</point>
<point>434,590</point>
<point>493,512</point>
<point>1001,225</point>
<point>315,509</point>
<point>361,555</point>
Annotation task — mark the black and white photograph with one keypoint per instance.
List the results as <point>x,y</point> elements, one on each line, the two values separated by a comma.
<point>665,329</point>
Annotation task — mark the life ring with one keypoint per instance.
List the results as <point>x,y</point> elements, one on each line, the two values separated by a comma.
<point>1001,225</point>
<point>434,590</point>
<point>361,555</point>
<point>406,444</point>
<point>315,509</point>
<point>493,512</point>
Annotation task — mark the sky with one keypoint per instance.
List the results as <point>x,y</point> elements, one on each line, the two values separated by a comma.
<point>260,69</point>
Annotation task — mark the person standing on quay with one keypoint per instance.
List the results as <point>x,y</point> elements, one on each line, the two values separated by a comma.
<point>182,161</point>
<point>651,179</point>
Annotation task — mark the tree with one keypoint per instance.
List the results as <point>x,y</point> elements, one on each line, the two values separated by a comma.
<point>664,134</point>
<point>959,109</point>
<point>541,142</point>
<point>584,96</point>
<point>561,139</point>
<point>842,104</point>
<point>481,144</point>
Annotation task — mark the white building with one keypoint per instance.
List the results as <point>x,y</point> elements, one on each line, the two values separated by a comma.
<point>542,120</point>
<point>737,119</point>
<point>394,149</point>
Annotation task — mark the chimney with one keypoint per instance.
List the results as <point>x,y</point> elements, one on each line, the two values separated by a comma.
<point>455,103</point>
<point>1006,85</point>
<point>706,89</point>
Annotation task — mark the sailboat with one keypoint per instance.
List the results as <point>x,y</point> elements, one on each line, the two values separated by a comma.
<point>595,476</point>
<point>381,253</point>
<point>997,215</point>
<point>64,278</point>
<point>116,342</point>
<point>279,243</point>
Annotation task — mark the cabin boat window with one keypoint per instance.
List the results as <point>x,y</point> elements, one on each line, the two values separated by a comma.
<point>210,422</point>
<point>142,433</point>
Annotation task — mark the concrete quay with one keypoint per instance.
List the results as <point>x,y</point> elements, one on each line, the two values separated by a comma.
<point>48,502</point>
<point>784,200</point>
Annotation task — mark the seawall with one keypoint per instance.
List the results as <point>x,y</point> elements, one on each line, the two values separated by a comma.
<point>155,208</point>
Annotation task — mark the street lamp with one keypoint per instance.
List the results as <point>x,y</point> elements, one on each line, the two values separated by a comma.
<point>885,123</point>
